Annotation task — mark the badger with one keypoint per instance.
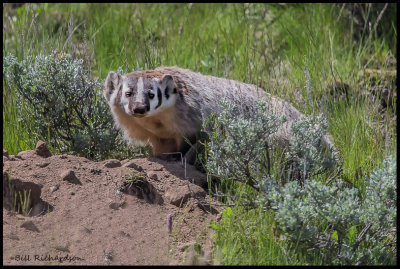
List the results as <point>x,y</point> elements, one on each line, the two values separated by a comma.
<point>166,107</point>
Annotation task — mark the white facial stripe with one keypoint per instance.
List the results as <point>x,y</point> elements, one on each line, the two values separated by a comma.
<point>154,101</point>
<point>140,90</point>
<point>124,99</point>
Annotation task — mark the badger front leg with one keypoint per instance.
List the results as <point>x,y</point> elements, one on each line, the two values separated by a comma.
<point>162,147</point>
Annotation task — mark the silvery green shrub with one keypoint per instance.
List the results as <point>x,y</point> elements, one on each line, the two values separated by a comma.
<point>62,103</point>
<point>241,143</point>
<point>305,147</point>
<point>238,142</point>
<point>332,221</point>
<point>335,221</point>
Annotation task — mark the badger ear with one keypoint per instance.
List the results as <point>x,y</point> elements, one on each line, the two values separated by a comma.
<point>168,84</point>
<point>111,84</point>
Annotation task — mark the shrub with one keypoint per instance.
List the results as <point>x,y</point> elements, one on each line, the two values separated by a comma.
<point>62,103</point>
<point>306,144</point>
<point>328,221</point>
<point>241,145</point>
<point>335,221</point>
<point>240,142</point>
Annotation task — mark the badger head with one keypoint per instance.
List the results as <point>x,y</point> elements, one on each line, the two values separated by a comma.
<point>140,96</point>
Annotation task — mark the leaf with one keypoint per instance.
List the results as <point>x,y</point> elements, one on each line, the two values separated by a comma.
<point>214,225</point>
<point>228,211</point>
<point>352,233</point>
<point>335,236</point>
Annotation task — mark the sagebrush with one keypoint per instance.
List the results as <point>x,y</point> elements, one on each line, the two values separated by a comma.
<point>62,103</point>
<point>332,221</point>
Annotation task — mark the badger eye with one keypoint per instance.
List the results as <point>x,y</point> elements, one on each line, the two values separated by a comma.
<point>128,94</point>
<point>151,95</point>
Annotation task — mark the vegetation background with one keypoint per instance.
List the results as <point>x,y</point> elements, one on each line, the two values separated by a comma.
<point>345,53</point>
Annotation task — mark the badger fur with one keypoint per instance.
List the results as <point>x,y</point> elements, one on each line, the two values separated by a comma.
<point>166,106</point>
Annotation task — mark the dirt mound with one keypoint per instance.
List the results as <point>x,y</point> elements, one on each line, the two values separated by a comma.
<point>131,212</point>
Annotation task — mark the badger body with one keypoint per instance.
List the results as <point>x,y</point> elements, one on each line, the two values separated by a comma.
<point>166,106</point>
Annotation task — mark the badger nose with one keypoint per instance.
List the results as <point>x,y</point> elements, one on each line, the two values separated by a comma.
<point>140,110</point>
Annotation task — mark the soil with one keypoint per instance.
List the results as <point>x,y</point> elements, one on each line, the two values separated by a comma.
<point>132,212</point>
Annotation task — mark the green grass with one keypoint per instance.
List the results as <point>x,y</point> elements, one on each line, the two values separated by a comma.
<point>15,138</point>
<point>256,43</point>
<point>359,139</point>
<point>22,206</point>
<point>247,237</point>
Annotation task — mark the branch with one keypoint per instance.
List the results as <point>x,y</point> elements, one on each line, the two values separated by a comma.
<point>361,235</point>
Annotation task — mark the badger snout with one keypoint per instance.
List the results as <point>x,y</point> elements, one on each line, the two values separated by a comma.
<point>140,110</point>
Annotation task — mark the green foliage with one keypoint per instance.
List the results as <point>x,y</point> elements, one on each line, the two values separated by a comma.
<point>239,142</point>
<point>134,178</point>
<point>309,137</point>
<point>330,221</point>
<point>242,144</point>
<point>22,205</point>
<point>63,104</point>
<point>246,237</point>
<point>334,220</point>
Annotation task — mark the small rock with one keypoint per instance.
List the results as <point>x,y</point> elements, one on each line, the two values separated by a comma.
<point>179,196</point>
<point>54,188</point>
<point>134,166</point>
<point>114,206</point>
<point>5,153</point>
<point>12,158</point>
<point>42,150</point>
<point>72,193</point>
<point>4,159</point>
<point>29,225</point>
<point>152,175</point>
<point>69,175</point>
<point>42,165</point>
<point>27,154</point>
<point>112,163</point>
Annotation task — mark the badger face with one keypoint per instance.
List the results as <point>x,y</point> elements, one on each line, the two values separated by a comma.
<point>137,94</point>
<point>140,96</point>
